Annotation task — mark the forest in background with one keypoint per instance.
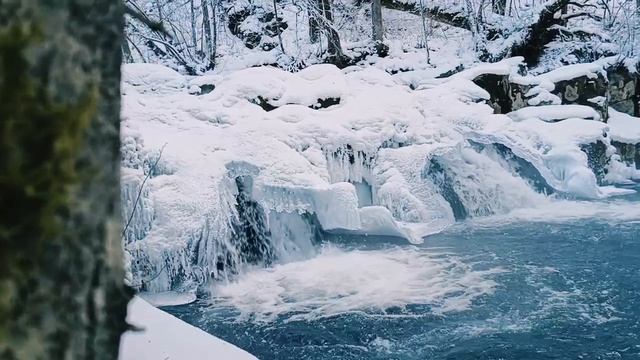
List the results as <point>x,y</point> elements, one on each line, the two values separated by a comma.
<point>196,36</point>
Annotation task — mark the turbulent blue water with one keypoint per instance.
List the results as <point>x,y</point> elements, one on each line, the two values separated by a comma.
<point>546,290</point>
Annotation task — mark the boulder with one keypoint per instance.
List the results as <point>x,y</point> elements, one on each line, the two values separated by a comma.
<point>623,90</point>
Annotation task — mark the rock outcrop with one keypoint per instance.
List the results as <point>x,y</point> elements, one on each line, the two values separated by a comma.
<point>598,85</point>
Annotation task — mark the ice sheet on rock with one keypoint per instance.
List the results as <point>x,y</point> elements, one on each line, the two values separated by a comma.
<point>625,129</point>
<point>168,298</point>
<point>553,148</point>
<point>403,190</point>
<point>378,221</point>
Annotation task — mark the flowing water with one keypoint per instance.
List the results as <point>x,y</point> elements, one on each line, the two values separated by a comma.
<point>557,282</point>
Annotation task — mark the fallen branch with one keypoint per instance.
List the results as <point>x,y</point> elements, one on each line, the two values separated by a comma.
<point>580,14</point>
<point>135,203</point>
<point>140,16</point>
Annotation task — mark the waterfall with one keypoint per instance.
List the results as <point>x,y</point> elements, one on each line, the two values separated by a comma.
<point>403,192</point>
<point>239,187</point>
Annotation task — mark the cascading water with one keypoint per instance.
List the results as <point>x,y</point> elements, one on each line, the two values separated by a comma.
<point>267,225</point>
<point>517,165</point>
<point>251,236</point>
<point>475,184</point>
<point>240,187</point>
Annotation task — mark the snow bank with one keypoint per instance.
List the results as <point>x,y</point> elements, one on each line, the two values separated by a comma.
<point>507,66</point>
<point>554,113</point>
<point>624,128</point>
<point>568,72</point>
<point>163,336</point>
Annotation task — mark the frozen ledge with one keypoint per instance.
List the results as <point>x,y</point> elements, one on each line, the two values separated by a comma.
<point>168,298</point>
<point>167,337</point>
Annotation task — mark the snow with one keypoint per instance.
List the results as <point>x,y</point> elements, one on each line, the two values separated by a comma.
<point>504,67</point>
<point>590,70</point>
<point>152,77</point>
<point>541,86</point>
<point>624,128</point>
<point>163,336</point>
<point>554,113</point>
<point>315,161</point>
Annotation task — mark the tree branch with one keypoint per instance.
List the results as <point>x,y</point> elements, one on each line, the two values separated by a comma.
<point>135,203</point>
<point>581,5</point>
<point>580,14</point>
<point>140,16</point>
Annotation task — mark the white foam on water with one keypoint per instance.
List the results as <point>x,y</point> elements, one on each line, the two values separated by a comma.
<point>562,210</point>
<point>567,298</point>
<point>339,281</point>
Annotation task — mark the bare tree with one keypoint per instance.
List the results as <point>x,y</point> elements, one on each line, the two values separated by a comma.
<point>334,47</point>
<point>194,39</point>
<point>499,6</point>
<point>61,274</point>
<point>210,53</point>
<point>378,27</point>
<point>321,22</point>
<point>275,13</point>
<point>314,23</point>
<point>214,24</point>
<point>425,35</point>
<point>159,9</point>
<point>126,51</point>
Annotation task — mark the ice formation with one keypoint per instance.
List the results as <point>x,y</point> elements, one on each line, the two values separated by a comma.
<point>257,170</point>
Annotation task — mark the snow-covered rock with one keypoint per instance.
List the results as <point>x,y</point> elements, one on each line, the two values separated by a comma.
<point>554,113</point>
<point>163,336</point>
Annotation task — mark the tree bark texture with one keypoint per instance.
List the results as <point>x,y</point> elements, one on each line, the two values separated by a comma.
<point>499,6</point>
<point>207,36</point>
<point>376,18</point>
<point>61,279</point>
<point>334,47</point>
<point>194,39</point>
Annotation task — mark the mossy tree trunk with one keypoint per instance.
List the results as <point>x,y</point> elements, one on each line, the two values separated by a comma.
<point>61,280</point>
